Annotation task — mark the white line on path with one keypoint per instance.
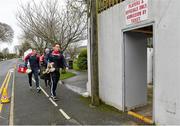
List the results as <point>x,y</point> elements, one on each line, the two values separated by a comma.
<point>55,104</point>
<point>64,114</point>
<point>44,92</point>
<point>11,118</point>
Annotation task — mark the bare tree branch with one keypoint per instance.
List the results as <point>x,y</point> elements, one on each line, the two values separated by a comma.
<point>49,24</point>
<point>6,33</point>
<point>72,50</point>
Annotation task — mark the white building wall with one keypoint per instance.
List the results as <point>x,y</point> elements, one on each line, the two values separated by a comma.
<point>165,14</point>
<point>167,61</point>
<point>110,57</point>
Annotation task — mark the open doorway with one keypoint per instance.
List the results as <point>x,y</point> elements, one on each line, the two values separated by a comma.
<point>138,71</point>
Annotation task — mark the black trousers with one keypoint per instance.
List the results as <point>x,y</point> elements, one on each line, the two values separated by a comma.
<point>47,80</point>
<point>54,81</point>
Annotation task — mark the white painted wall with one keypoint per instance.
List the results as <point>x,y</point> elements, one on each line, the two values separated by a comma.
<point>165,14</point>
<point>110,57</point>
<point>167,61</point>
<point>135,69</point>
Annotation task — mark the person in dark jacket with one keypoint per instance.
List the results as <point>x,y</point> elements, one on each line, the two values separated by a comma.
<point>33,59</point>
<point>44,62</point>
<point>57,60</point>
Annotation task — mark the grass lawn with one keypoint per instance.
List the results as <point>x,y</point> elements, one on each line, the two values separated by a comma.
<point>67,75</point>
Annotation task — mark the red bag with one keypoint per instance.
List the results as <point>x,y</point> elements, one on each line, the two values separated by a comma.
<point>22,68</point>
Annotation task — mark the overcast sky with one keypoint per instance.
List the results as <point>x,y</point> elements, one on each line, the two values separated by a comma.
<point>8,9</point>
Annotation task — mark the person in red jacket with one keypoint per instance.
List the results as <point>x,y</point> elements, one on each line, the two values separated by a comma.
<point>33,59</point>
<point>58,61</point>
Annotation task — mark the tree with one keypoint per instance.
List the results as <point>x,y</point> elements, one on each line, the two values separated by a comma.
<point>1,56</point>
<point>17,49</point>
<point>35,42</point>
<point>83,5</point>
<point>91,10</point>
<point>11,56</point>
<point>5,52</point>
<point>23,47</point>
<point>72,50</point>
<point>47,22</point>
<point>6,33</point>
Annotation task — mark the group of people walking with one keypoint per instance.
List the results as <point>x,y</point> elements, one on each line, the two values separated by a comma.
<point>52,59</point>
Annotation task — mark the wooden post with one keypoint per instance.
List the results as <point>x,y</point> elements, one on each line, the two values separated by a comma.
<point>94,54</point>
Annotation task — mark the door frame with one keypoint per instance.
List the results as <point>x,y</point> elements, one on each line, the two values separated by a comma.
<point>152,23</point>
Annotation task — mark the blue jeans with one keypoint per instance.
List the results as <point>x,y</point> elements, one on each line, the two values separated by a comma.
<point>35,73</point>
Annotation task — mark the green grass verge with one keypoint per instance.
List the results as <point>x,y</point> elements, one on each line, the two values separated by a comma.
<point>102,107</point>
<point>67,75</point>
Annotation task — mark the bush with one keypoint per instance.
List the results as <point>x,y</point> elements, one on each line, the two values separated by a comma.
<point>7,56</point>
<point>75,67</point>
<point>82,60</point>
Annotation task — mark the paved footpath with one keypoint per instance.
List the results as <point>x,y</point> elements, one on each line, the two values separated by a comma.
<point>32,108</point>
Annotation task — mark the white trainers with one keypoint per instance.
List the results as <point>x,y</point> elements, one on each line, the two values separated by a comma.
<point>30,87</point>
<point>54,98</point>
<point>38,89</point>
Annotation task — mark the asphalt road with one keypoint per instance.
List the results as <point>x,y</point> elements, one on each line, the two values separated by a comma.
<point>5,66</point>
<point>29,107</point>
<point>32,108</point>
